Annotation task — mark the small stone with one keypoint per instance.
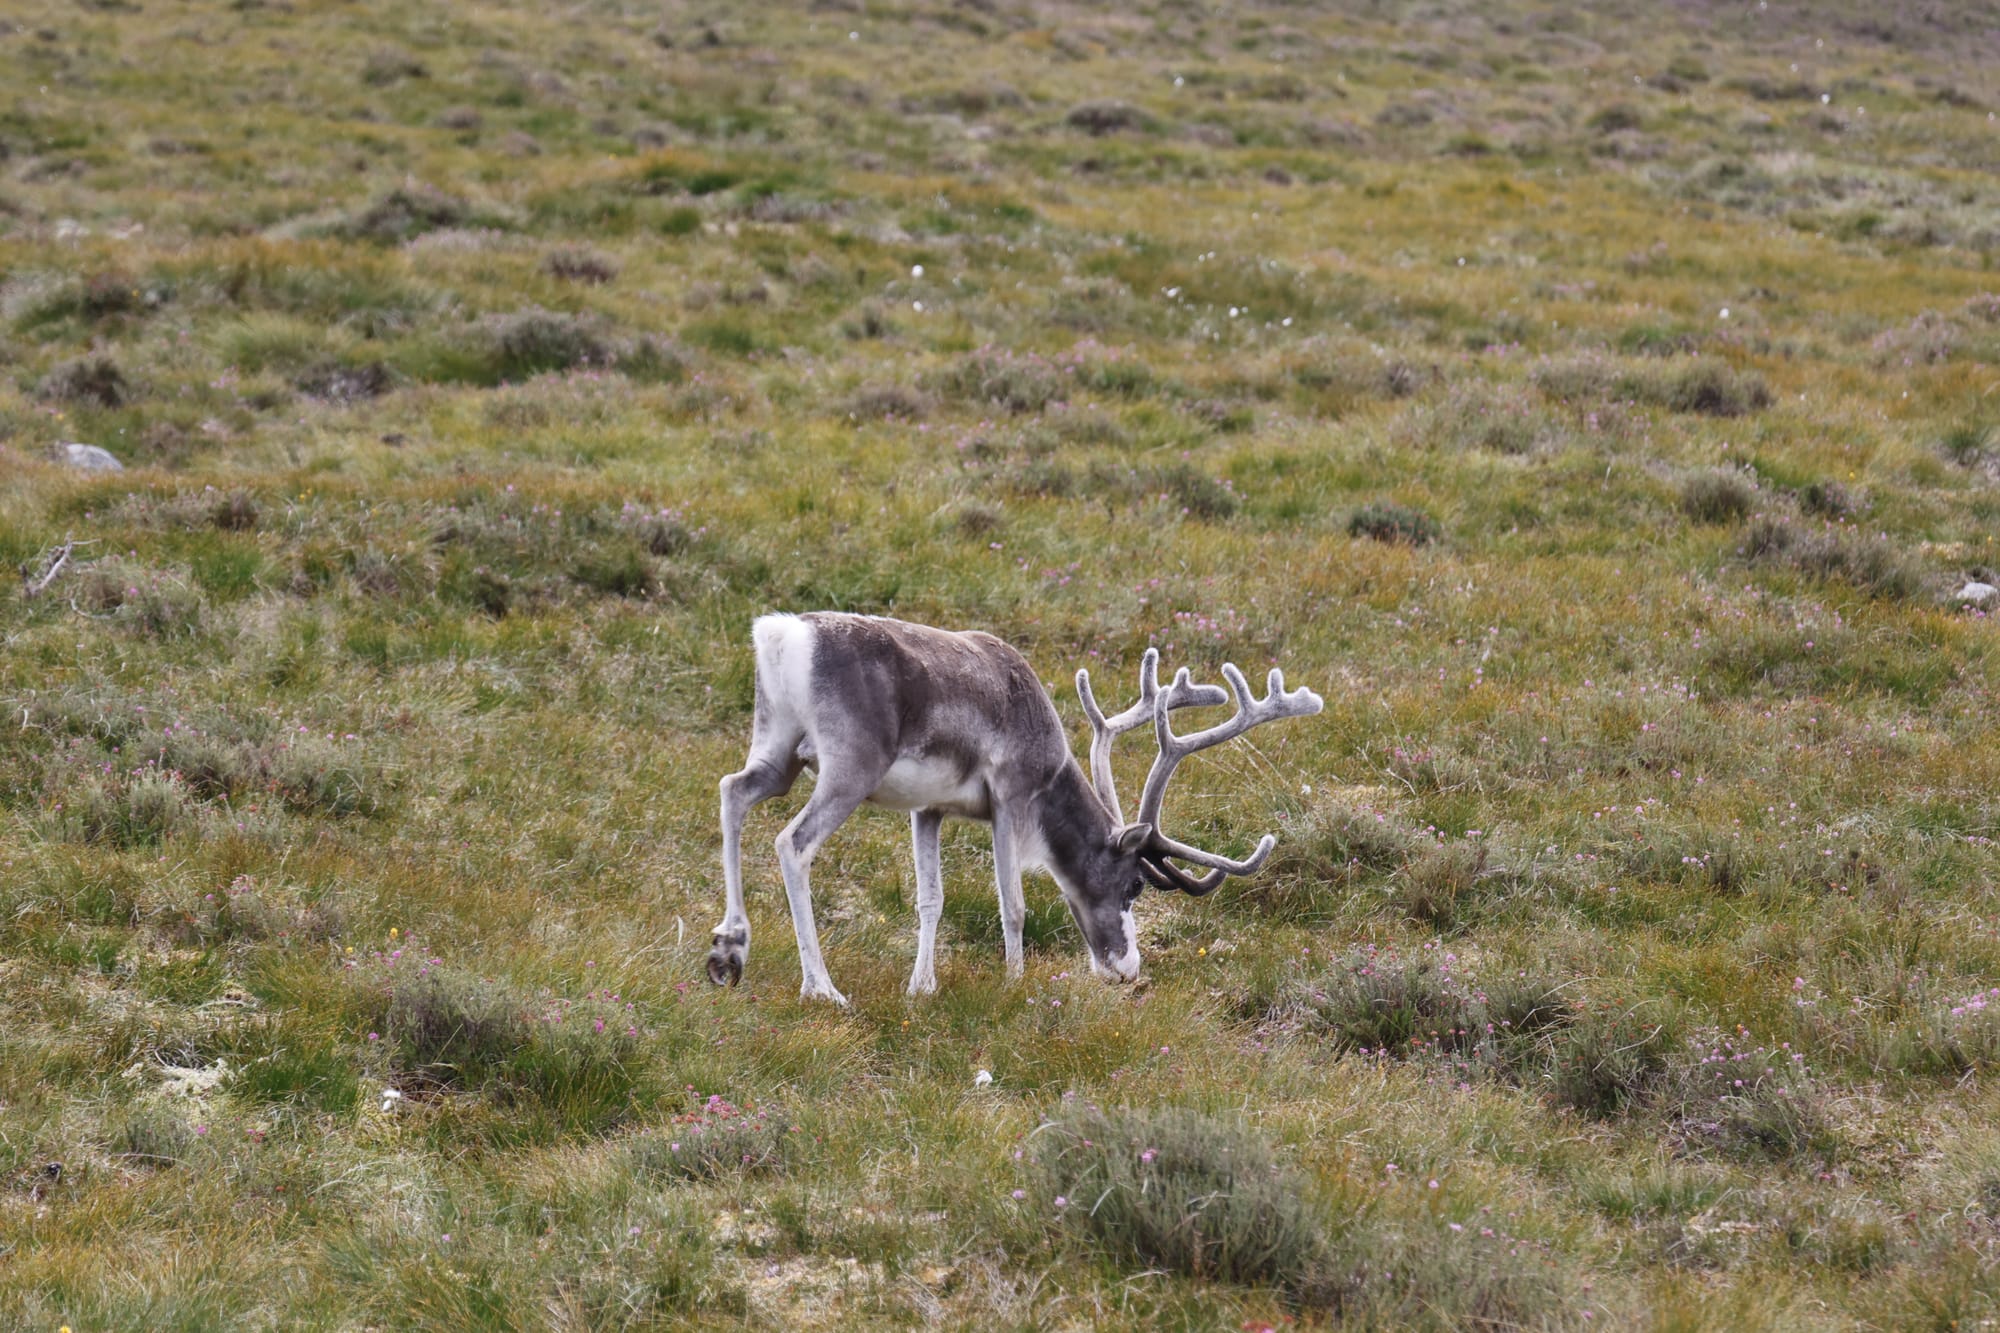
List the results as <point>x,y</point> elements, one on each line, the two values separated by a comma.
<point>1978,594</point>
<point>88,457</point>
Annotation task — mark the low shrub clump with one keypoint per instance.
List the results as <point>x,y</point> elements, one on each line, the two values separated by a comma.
<point>1500,419</point>
<point>1014,382</point>
<point>94,381</point>
<point>403,212</point>
<point>1699,386</point>
<point>1335,842</point>
<point>716,1139</point>
<point>159,603</point>
<point>574,263</point>
<point>1107,117</point>
<point>445,1028</point>
<point>1717,497</point>
<point>1872,565</point>
<point>1384,521</point>
<point>893,402</point>
<point>1725,1091</point>
<point>1170,1187</point>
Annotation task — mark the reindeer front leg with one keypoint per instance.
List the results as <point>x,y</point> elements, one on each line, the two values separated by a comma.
<point>761,779</point>
<point>1007,877</point>
<point>924,828</point>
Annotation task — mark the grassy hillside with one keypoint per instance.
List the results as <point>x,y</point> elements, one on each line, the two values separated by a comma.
<point>1599,408</point>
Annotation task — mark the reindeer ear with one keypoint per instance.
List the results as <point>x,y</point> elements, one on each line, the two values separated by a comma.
<point>1131,837</point>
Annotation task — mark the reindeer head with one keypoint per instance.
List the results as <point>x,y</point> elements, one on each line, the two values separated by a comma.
<point>1140,853</point>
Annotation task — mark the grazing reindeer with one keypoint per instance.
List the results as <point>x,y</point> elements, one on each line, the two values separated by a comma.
<point>941,723</point>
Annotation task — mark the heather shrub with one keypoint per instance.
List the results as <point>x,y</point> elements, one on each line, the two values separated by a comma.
<point>994,377</point>
<point>575,263</point>
<point>94,381</point>
<point>1827,499</point>
<point>158,603</point>
<point>1717,497</point>
<point>1107,117</point>
<point>1374,1003</point>
<point>892,401</point>
<point>1871,565</point>
<point>1384,521</point>
<point>403,212</point>
<point>1178,1189</point>
<point>1711,389</point>
<point>1334,842</point>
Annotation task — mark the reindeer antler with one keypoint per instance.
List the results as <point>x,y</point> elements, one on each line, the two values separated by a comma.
<point>1250,712</point>
<point>1104,730</point>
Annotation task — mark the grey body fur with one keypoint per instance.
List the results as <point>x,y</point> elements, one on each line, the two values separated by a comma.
<point>940,722</point>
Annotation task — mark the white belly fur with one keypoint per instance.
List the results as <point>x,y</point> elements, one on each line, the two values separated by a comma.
<point>920,784</point>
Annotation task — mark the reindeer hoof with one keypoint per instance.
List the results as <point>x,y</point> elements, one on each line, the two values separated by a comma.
<point>809,991</point>
<point>725,960</point>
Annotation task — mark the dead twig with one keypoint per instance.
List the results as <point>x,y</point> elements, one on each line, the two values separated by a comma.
<point>52,565</point>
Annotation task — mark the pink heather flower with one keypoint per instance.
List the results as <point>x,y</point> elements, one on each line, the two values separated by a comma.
<point>1149,1154</point>
<point>1061,1202</point>
<point>1020,1194</point>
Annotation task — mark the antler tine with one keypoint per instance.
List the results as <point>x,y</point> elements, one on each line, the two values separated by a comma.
<point>1104,730</point>
<point>1163,874</point>
<point>1250,711</point>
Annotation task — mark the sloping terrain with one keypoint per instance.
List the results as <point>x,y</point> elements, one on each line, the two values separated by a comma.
<point>1598,408</point>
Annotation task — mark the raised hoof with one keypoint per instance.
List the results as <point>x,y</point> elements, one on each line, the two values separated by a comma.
<point>725,960</point>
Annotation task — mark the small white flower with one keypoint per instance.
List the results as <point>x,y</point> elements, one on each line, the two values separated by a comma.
<point>982,1078</point>
<point>1305,789</point>
<point>1725,312</point>
<point>917,306</point>
<point>916,270</point>
<point>389,1099</point>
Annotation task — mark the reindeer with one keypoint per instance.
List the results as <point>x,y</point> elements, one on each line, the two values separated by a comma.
<point>938,722</point>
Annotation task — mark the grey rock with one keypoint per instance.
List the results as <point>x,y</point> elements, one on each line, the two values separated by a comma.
<point>88,457</point>
<point>1978,594</point>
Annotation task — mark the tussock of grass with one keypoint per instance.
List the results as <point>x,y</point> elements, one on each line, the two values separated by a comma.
<point>1871,565</point>
<point>1717,497</point>
<point>716,1140</point>
<point>1384,521</point>
<point>91,380</point>
<point>1180,1190</point>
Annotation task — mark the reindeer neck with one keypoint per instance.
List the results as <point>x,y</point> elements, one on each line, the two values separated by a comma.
<point>1073,826</point>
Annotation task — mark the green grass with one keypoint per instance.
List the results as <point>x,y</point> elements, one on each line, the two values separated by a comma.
<point>1595,406</point>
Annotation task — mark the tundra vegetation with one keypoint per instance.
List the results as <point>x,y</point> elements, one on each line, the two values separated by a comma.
<point>1598,406</point>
